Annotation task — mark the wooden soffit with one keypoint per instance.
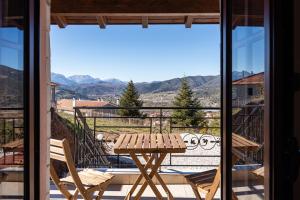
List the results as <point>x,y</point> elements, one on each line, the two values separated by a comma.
<point>144,12</point>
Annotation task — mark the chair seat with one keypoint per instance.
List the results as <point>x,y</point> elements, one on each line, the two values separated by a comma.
<point>259,172</point>
<point>203,180</point>
<point>89,178</point>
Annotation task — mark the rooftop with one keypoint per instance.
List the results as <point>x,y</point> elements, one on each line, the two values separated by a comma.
<point>252,79</point>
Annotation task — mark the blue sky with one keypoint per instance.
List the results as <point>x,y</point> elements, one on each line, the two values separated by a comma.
<point>133,53</point>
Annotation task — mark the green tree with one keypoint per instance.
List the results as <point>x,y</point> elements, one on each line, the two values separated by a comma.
<point>185,99</point>
<point>130,99</point>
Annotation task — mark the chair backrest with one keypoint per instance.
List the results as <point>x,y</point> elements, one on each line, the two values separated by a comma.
<point>60,150</point>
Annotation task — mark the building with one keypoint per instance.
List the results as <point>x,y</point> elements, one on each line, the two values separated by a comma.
<point>68,105</point>
<point>53,94</point>
<point>248,89</point>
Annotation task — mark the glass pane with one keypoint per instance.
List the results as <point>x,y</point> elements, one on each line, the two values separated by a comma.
<point>248,56</point>
<point>11,99</point>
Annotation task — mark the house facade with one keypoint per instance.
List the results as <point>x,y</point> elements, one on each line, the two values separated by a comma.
<point>248,89</point>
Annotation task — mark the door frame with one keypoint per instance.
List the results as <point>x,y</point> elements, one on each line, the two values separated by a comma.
<point>279,160</point>
<point>31,99</point>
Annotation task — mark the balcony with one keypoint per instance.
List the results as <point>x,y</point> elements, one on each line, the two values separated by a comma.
<point>94,130</point>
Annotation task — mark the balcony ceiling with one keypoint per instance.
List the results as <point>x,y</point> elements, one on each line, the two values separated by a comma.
<point>144,12</point>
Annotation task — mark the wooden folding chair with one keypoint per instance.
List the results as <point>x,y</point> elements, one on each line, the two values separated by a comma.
<point>259,172</point>
<point>206,182</point>
<point>86,182</point>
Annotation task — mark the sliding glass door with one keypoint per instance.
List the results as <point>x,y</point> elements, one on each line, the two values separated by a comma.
<point>11,99</point>
<point>244,102</point>
<point>19,99</point>
<point>248,99</point>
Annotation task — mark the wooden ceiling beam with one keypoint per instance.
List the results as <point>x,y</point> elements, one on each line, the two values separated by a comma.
<point>189,21</point>
<point>60,21</point>
<point>101,21</point>
<point>145,22</point>
<point>69,14</point>
<point>135,6</point>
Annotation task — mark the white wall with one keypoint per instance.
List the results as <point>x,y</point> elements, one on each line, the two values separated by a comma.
<point>297,96</point>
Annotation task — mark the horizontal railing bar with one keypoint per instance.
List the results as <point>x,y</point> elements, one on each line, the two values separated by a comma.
<point>173,155</point>
<point>122,126</point>
<point>11,108</point>
<point>146,117</point>
<point>149,108</point>
<point>203,127</point>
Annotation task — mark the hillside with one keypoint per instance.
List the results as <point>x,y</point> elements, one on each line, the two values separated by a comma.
<point>156,93</point>
<point>11,96</point>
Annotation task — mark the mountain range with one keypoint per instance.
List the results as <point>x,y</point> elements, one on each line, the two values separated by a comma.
<point>11,90</point>
<point>156,93</point>
<point>207,88</point>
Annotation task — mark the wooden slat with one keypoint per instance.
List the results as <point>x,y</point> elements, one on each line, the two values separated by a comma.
<point>167,141</point>
<point>174,141</point>
<point>146,141</point>
<point>125,142</point>
<point>160,141</point>
<point>133,141</point>
<point>57,143</point>
<point>119,141</point>
<point>57,150</point>
<point>139,143</point>
<point>153,143</point>
<point>180,141</point>
<point>57,157</point>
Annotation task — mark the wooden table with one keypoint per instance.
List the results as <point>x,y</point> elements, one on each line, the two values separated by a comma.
<point>241,144</point>
<point>158,146</point>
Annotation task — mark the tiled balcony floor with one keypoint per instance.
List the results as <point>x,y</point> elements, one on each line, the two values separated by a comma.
<point>180,192</point>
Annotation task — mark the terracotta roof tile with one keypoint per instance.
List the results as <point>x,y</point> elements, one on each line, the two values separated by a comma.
<point>252,79</point>
<point>67,104</point>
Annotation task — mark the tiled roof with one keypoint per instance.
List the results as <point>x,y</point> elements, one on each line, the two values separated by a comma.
<point>53,84</point>
<point>67,104</point>
<point>252,79</point>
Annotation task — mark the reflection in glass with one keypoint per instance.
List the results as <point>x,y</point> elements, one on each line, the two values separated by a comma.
<point>11,99</point>
<point>248,99</point>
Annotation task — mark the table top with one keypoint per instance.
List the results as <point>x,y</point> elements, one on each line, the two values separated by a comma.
<point>16,144</point>
<point>149,143</point>
<point>242,143</point>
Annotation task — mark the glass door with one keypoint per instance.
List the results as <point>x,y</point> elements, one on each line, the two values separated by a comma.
<point>244,137</point>
<point>11,99</point>
<point>248,99</point>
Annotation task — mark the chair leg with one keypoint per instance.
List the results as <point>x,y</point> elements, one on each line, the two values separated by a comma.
<point>196,192</point>
<point>100,194</point>
<point>234,197</point>
<point>75,195</point>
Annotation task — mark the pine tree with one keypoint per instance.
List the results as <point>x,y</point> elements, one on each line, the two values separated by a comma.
<point>185,98</point>
<point>130,99</point>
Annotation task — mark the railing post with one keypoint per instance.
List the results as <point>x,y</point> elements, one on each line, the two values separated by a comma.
<point>160,121</point>
<point>171,125</point>
<point>75,141</point>
<point>150,125</point>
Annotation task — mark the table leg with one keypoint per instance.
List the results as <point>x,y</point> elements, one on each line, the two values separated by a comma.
<point>160,180</point>
<point>147,177</point>
<point>138,180</point>
<point>152,173</point>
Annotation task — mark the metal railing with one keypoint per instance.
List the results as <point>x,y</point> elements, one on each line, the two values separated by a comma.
<point>97,128</point>
<point>90,122</point>
<point>11,129</point>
